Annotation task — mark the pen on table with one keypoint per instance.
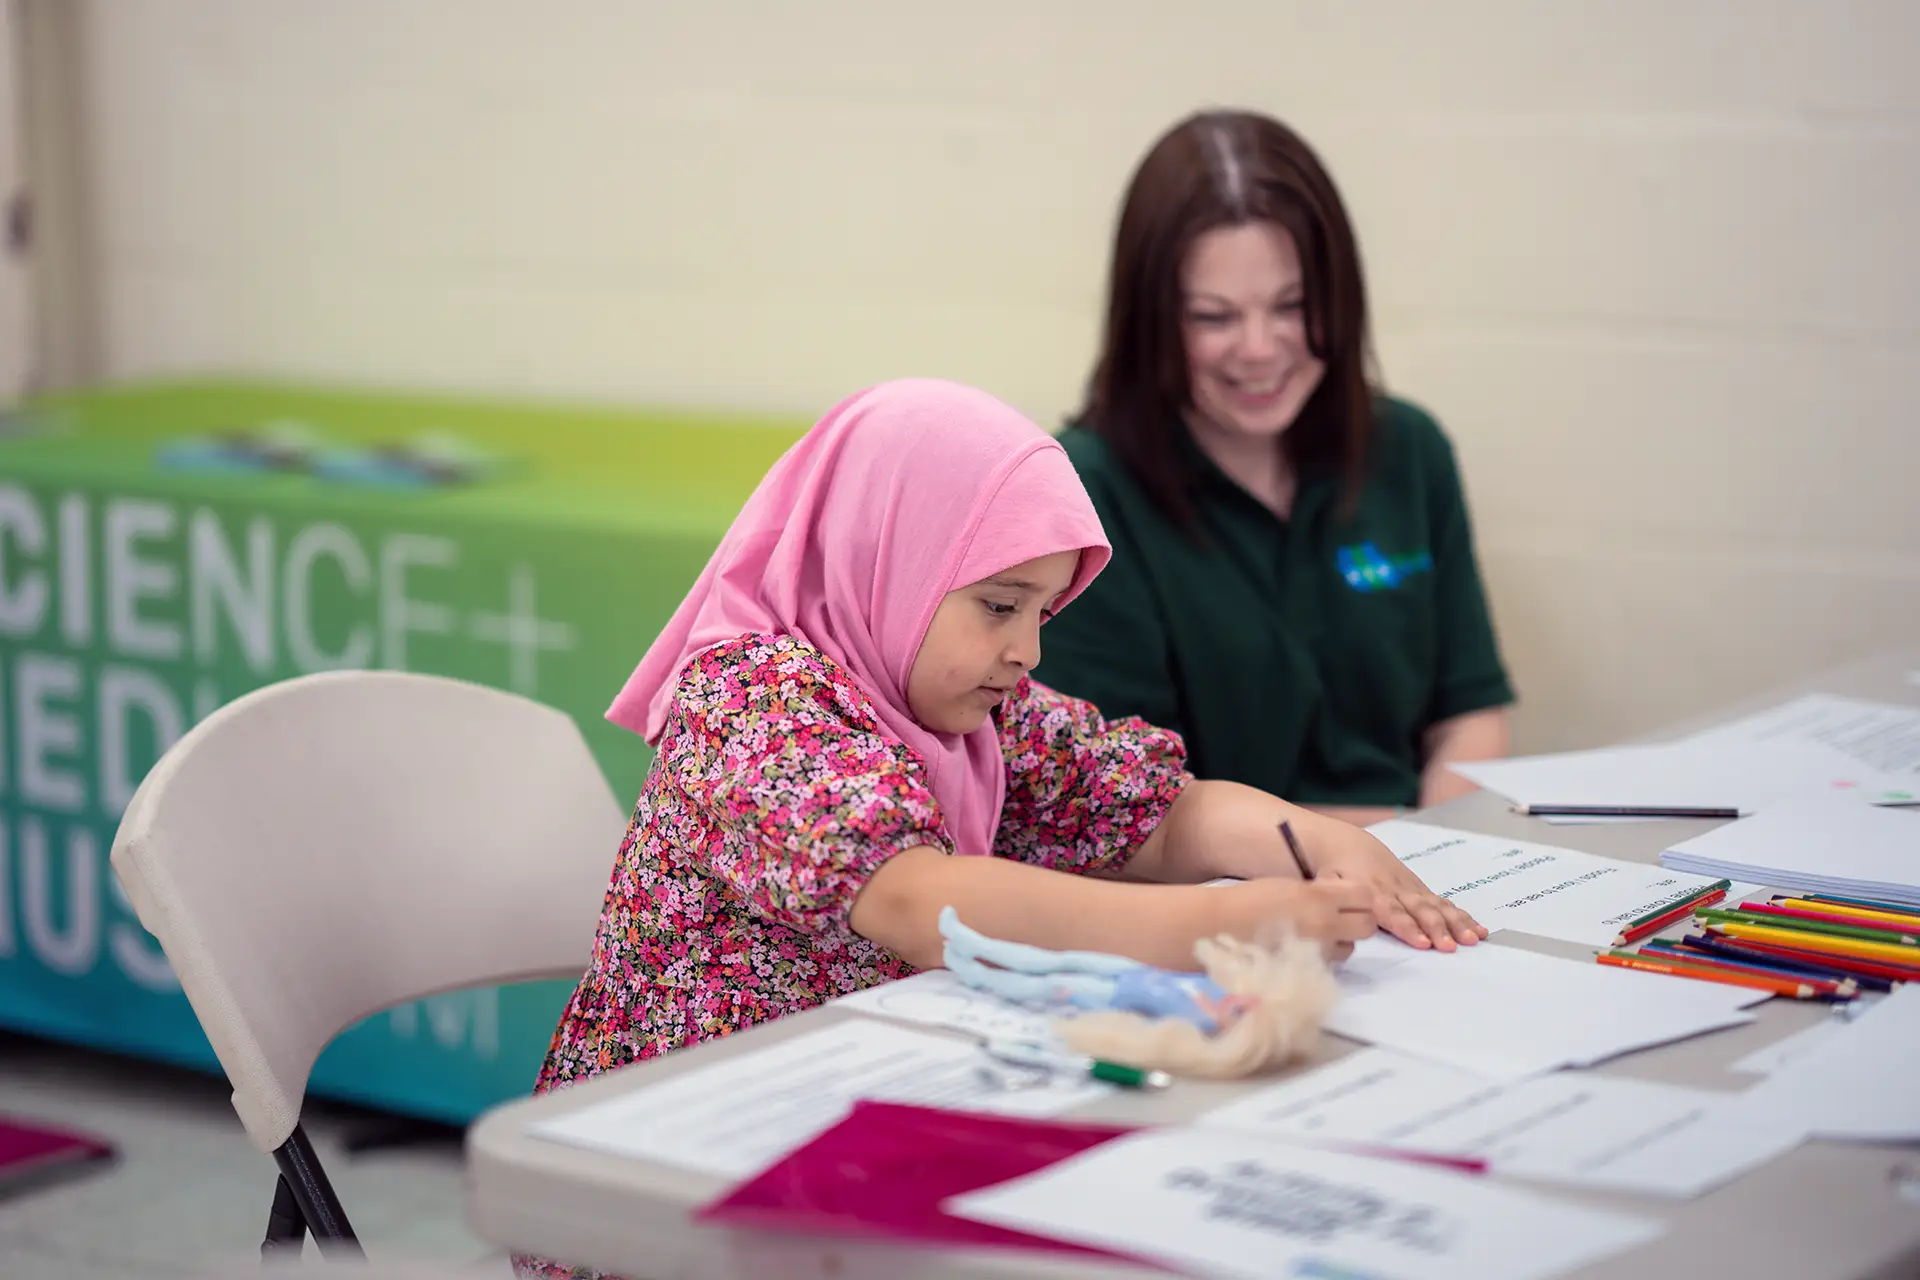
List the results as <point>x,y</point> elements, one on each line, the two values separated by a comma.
<point>1025,1053</point>
<point>1293,847</point>
<point>1620,811</point>
<point>1673,913</point>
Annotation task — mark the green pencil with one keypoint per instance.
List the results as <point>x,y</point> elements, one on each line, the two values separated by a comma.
<point>1705,891</point>
<point>1771,921</point>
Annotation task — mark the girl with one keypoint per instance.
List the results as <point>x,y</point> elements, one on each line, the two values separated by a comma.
<point>848,741</point>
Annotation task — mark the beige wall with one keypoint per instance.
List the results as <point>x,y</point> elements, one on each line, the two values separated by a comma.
<point>1652,261</point>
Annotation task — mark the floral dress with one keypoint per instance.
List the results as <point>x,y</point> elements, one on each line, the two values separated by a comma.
<point>775,794</point>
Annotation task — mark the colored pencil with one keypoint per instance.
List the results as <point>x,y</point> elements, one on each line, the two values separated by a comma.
<point>1293,847</point>
<point>1909,934</point>
<point>1645,964</point>
<point>1875,937</point>
<point>1843,987</point>
<point>1804,940</point>
<point>1872,904</point>
<point>1899,919</point>
<point>1673,913</point>
<point>1619,811</point>
<point>1851,964</point>
<point>1792,964</point>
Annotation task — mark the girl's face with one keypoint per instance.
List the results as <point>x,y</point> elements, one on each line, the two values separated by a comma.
<point>1244,320</point>
<point>983,638</point>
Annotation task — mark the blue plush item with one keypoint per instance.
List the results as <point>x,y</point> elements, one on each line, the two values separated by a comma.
<point>1081,980</point>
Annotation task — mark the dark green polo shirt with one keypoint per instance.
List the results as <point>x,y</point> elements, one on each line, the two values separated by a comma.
<point>1304,656</point>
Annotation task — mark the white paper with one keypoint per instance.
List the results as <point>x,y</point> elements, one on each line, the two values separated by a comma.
<point>1571,1127</point>
<point>1506,1013</point>
<point>1878,735</point>
<point>1766,1061</point>
<point>1215,1203</point>
<point>936,998</point>
<point>1536,888</point>
<point>1857,1083</point>
<point>740,1115</point>
<point>1706,773</point>
<point>1814,846</point>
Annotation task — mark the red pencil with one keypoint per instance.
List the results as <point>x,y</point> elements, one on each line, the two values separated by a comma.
<point>1680,911</point>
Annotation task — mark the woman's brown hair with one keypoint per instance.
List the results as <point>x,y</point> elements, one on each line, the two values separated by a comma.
<point>1224,169</point>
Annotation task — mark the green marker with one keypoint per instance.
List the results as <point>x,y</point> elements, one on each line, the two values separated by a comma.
<point>1025,1053</point>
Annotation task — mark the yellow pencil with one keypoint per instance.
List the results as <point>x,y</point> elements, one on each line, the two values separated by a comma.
<point>1802,940</point>
<point>1898,919</point>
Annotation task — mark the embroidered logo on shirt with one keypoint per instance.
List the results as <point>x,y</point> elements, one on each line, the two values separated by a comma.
<point>1366,568</point>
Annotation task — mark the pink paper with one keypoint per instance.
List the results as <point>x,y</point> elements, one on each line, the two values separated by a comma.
<point>885,1170</point>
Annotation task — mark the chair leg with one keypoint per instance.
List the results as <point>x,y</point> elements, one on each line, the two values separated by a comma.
<point>286,1229</point>
<point>313,1195</point>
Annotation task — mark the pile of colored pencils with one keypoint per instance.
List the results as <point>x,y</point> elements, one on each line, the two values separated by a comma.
<point>1807,947</point>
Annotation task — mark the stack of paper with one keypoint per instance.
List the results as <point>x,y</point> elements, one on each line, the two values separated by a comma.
<point>1814,846</point>
<point>1210,1202</point>
<point>1856,1083</point>
<point>1572,1127</point>
<point>1505,1013</point>
<point>1703,773</point>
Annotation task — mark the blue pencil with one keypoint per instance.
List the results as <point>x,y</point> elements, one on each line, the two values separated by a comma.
<point>1681,952</point>
<point>1740,955</point>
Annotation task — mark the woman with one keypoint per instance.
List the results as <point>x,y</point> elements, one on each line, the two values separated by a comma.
<point>1293,584</point>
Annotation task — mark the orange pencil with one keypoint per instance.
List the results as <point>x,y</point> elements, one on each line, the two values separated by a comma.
<point>1773,986</point>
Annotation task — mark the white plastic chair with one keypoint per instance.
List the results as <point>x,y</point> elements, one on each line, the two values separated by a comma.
<point>330,846</point>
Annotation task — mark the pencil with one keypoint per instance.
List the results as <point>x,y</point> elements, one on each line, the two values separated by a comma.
<point>1293,847</point>
<point>1805,940</point>
<point>1891,916</point>
<point>1620,811</point>
<point>1841,987</point>
<point>1672,913</point>
<point>1907,932</point>
<point>1857,933</point>
<point>1789,964</point>
<point>1773,986</point>
<point>1872,904</point>
<point>1852,964</point>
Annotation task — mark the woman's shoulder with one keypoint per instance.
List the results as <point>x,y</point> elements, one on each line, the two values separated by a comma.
<point>1408,425</point>
<point>1089,452</point>
<point>1409,445</point>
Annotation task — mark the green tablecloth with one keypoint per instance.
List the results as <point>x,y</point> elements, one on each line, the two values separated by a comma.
<point>141,587</point>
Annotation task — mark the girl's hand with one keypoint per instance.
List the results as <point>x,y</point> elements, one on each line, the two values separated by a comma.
<point>1406,908</point>
<point>1337,913</point>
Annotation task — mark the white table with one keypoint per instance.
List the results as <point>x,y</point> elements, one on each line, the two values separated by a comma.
<point>1823,1210</point>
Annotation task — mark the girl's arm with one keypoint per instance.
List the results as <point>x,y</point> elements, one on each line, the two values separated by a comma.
<point>1219,828</point>
<point>1157,924</point>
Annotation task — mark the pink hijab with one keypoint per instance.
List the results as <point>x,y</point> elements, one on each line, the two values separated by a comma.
<point>901,494</point>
